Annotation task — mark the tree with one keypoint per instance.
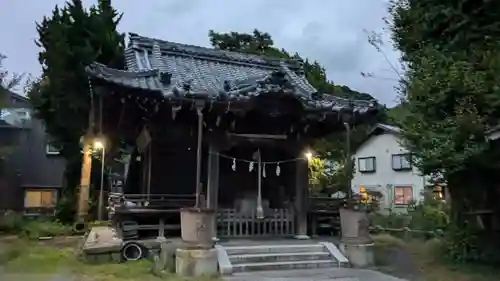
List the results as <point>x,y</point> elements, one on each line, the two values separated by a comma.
<point>331,147</point>
<point>452,53</point>
<point>8,81</point>
<point>70,39</point>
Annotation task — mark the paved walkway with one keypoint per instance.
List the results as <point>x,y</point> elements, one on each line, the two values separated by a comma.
<point>336,274</point>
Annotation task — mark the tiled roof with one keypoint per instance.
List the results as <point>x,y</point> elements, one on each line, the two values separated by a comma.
<point>179,70</point>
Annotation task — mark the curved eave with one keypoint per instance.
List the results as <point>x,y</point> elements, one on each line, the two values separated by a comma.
<point>149,81</point>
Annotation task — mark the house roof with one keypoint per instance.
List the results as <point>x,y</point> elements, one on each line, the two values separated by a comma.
<point>9,117</point>
<point>384,128</point>
<point>178,70</point>
<point>379,129</point>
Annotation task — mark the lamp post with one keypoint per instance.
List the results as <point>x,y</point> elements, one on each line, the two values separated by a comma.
<point>100,145</point>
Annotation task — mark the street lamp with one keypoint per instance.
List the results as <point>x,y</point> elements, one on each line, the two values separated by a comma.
<point>308,156</point>
<point>98,144</point>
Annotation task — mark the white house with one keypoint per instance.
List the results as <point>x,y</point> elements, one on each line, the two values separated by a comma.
<point>382,164</point>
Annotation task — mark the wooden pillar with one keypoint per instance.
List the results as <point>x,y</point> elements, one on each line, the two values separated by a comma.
<point>148,176</point>
<point>84,191</point>
<point>213,181</point>
<point>301,197</point>
<point>83,195</point>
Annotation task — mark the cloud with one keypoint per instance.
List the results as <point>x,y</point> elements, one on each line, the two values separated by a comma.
<point>324,30</point>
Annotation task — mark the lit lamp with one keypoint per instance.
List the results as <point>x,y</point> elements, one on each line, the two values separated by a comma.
<point>364,194</point>
<point>308,155</point>
<point>362,189</point>
<point>99,144</point>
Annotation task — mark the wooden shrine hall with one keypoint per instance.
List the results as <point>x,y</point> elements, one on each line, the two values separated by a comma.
<point>222,129</point>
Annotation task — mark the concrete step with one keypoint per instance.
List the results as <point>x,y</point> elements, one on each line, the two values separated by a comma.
<point>279,257</point>
<point>294,248</point>
<point>284,265</point>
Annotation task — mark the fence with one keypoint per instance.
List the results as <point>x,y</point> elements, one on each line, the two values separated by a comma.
<point>277,222</point>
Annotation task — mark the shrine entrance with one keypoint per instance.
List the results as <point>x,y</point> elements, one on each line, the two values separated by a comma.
<point>256,192</point>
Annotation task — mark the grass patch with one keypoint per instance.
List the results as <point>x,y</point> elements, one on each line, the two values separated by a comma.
<point>41,260</point>
<point>429,256</point>
<point>426,259</point>
<point>46,258</point>
<point>385,246</point>
<point>130,271</point>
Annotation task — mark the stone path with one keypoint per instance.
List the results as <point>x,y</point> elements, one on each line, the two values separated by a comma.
<point>334,274</point>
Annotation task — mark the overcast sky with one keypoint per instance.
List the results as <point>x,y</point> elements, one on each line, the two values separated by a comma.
<point>330,31</point>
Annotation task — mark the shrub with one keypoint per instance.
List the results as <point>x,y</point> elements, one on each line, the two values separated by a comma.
<point>11,222</point>
<point>429,215</point>
<point>35,229</point>
<point>392,220</point>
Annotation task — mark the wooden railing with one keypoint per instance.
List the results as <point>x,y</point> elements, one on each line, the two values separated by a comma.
<point>152,201</point>
<point>277,222</point>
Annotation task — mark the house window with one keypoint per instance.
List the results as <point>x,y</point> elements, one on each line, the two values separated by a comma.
<point>52,149</point>
<point>366,164</point>
<point>34,198</point>
<point>401,162</point>
<point>403,195</point>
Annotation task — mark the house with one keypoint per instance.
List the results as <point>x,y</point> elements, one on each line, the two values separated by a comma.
<point>31,169</point>
<point>383,165</point>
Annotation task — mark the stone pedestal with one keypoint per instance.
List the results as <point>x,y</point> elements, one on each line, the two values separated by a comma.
<point>197,227</point>
<point>354,227</point>
<point>196,262</point>
<point>359,255</point>
<point>356,243</point>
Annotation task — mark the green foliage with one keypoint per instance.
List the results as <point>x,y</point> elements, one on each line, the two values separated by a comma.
<point>11,222</point>
<point>70,39</point>
<point>32,228</point>
<point>8,81</point>
<point>316,171</point>
<point>452,54</point>
<point>429,215</point>
<point>392,220</point>
<point>452,82</point>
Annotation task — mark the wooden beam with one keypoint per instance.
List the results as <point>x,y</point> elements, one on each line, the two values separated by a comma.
<point>261,136</point>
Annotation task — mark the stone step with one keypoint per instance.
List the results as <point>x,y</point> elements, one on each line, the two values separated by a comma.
<point>284,265</point>
<point>278,257</point>
<point>294,248</point>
